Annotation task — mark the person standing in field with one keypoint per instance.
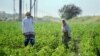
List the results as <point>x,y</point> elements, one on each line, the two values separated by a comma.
<point>66,33</point>
<point>28,29</point>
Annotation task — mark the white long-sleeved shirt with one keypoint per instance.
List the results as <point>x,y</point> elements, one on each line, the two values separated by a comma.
<point>27,25</point>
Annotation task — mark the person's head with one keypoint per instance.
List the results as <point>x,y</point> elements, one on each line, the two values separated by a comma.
<point>28,14</point>
<point>63,22</point>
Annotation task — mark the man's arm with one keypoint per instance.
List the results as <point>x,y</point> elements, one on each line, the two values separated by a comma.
<point>32,19</point>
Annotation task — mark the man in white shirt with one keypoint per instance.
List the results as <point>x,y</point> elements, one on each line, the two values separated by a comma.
<point>28,29</point>
<point>66,33</point>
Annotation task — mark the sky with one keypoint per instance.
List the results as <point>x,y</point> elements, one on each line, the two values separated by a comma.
<point>51,7</point>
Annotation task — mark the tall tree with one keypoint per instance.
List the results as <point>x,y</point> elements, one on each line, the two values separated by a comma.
<point>69,11</point>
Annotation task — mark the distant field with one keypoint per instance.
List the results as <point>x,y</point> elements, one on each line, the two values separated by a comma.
<point>85,39</point>
<point>86,19</point>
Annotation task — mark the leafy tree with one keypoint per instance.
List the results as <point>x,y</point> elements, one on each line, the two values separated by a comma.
<point>69,11</point>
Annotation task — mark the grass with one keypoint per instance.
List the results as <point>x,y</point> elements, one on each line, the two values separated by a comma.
<point>85,39</point>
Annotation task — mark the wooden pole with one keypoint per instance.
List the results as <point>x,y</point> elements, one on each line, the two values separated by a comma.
<point>30,6</point>
<point>34,9</point>
<point>14,9</point>
<point>20,10</point>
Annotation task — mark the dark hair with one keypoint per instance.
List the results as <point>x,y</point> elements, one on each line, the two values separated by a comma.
<point>28,14</point>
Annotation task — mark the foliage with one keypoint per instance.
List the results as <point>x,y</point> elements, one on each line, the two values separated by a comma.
<point>69,11</point>
<point>85,40</point>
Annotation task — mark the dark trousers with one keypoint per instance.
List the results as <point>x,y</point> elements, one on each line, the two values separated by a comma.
<point>65,38</point>
<point>29,38</point>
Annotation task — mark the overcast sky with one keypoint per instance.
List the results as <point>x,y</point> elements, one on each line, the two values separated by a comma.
<point>51,7</point>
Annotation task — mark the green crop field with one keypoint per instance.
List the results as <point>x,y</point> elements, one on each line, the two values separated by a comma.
<point>85,39</point>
